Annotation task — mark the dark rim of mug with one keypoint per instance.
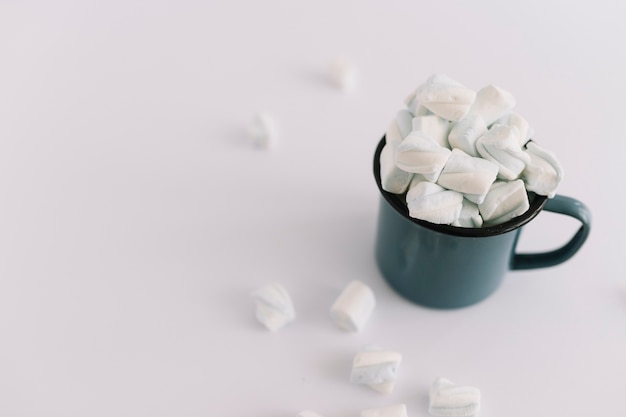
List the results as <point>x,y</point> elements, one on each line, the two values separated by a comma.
<point>397,201</point>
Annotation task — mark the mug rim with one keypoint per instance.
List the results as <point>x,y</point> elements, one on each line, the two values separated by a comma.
<point>537,202</point>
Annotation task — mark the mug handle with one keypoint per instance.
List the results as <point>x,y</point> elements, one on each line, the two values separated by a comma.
<point>561,205</point>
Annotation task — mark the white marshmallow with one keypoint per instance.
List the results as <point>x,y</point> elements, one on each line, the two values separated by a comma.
<point>274,308</point>
<point>421,154</point>
<point>464,133</point>
<point>492,103</point>
<point>445,97</point>
<point>398,410</point>
<point>404,119</point>
<point>354,306</point>
<point>500,144</point>
<point>470,215</point>
<point>263,131</point>
<point>392,134</point>
<point>450,400</point>
<point>433,203</point>
<point>504,201</point>
<point>392,178</point>
<point>433,126</point>
<point>376,368</point>
<point>525,132</point>
<point>343,74</point>
<point>308,413</point>
<point>543,173</point>
<point>468,175</point>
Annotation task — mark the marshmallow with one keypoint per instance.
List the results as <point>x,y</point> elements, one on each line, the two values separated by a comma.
<point>398,410</point>
<point>392,178</point>
<point>450,400</point>
<point>464,133</point>
<point>433,203</point>
<point>500,144</point>
<point>470,215</point>
<point>543,173</point>
<point>308,413</point>
<point>404,119</point>
<point>343,74</point>
<point>445,97</point>
<point>376,368</point>
<point>354,306</point>
<point>504,201</point>
<point>420,154</point>
<point>492,103</point>
<point>392,134</point>
<point>274,308</point>
<point>262,129</point>
<point>524,131</point>
<point>468,175</point>
<point>433,126</point>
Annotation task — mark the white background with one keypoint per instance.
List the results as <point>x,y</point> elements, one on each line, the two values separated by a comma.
<point>136,216</point>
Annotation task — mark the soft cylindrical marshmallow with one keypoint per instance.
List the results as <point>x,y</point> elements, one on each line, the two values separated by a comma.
<point>524,131</point>
<point>492,103</point>
<point>343,74</point>
<point>404,120</point>
<point>500,144</point>
<point>274,307</point>
<point>308,413</point>
<point>433,203</point>
<point>433,126</point>
<point>469,216</point>
<point>450,400</point>
<point>504,201</point>
<point>445,97</point>
<point>263,130</point>
<point>421,154</point>
<point>468,175</point>
<point>354,306</point>
<point>543,173</point>
<point>392,178</point>
<point>465,132</point>
<point>376,368</point>
<point>398,410</point>
<point>392,134</point>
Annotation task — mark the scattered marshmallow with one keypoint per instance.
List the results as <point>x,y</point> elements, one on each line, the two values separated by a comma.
<point>501,145</point>
<point>376,368</point>
<point>262,129</point>
<point>274,307</point>
<point>308,413</point>
<point>450,400</point>
<point>343,74</point>
<point>469,216</point>
<point>431,202</point>
<point>492,103</point>
<point>392,178</point>
<point>433,126</point>
<point>398,410</point>
<point>465,132</point>
<point>420,154</point>
<point>354,306</point>
<point>445,97</point>
<point>543,173</point>
<point>468,175</point>
<point>504,201</point>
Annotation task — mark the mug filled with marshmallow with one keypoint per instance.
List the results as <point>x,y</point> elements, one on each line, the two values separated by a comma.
<point>459,175</point>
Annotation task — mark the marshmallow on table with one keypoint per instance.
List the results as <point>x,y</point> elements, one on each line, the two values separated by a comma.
<point>308,413</point>
<point>354,306</point>
<point>433,126</point>
<point>543,173</point>
<point>445,97</point>
<point>392,178</point>
<point>343,74</point>
<point>262,129</point>
<point>504,201</point>
<point>398,410</point>
<point>274,307</point>
<point>433,203</point>
<point>421,154</point>
<point>500,144</point>
<point>465,132</point>
<point>469,216</point>
<point>468,175</point>
<point>450,400</point>
<point>492,103</point>
<point>376,368</point>
<point>524,131</point>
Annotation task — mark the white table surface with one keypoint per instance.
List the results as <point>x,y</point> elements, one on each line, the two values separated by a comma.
<point>136,217</point>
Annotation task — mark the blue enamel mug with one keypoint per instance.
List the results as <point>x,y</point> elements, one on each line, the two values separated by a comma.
<point>443,266</point>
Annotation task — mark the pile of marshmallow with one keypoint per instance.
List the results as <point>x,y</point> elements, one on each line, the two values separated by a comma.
<point>372,366</point>
<point>464,158</point>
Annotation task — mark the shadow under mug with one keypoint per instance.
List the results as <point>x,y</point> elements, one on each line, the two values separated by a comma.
<point>443,266</point>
